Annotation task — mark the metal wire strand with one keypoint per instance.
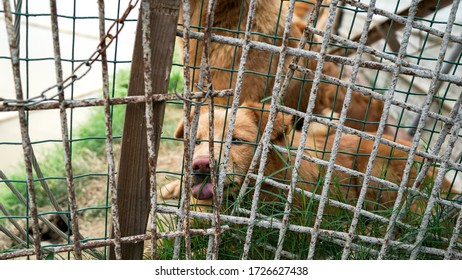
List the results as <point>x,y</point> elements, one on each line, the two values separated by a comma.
<point>214,240</point>
<point>306,122</point>
<point>265,139</point>
<point>354,240</point>
<point>288,206</point>
<point>183,213</point>
<point>26,143</point>
<point>273,224</point>
<point>419,129</point>
<point>411,69</point>
<point>341,122</point>
<point>109,144</point>
<point>65,133</point>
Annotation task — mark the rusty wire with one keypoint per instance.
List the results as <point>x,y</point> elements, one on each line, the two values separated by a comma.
<point>272,224</point>
<point>204,74</point>
<point>362,195</point>
<point>83,67</point>
<point>455,234</point>
<point>95,102</point>
<point>396,65</point>
<point>212,250</point>
<point>188,148</point>
<point>276,91</point>
<point>65,131</point>
<point>40,102</point>
<point>306,122</point>
<point>109,145</point>
<point>417,136</point>
<point>232,118</point>
<point>149,117</point>
<point>288,78</point>
<point>341,122</point>
<point>26,142</point>
<point>406,68</point>
<point>109,242</point>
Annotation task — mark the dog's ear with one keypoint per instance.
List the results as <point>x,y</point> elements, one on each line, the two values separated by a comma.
<point>282,124</point>
<point>179,132</point>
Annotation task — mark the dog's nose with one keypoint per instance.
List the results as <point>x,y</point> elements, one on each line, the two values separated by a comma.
<point>201,165</point>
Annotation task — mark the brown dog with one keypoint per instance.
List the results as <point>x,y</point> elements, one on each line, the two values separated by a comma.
<point>261,66</point>
<point>353,153</point>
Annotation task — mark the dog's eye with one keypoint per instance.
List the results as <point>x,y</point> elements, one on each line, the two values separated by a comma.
<point>198,141</point>
<point>237,141</point>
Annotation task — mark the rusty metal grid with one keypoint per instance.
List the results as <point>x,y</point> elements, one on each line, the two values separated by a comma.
<point>348,239</point>
<point>400,66</point>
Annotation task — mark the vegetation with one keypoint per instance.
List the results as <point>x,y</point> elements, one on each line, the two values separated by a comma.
<point>90,171</point>
<point>296,243</point>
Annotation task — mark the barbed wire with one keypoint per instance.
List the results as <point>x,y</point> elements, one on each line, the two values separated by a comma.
<point>82,69</point>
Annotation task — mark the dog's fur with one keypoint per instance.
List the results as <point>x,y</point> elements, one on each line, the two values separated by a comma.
<point>269,20</point>
<point>353,153</point>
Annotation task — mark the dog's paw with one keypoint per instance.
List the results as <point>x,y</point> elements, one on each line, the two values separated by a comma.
<point>170,191</point>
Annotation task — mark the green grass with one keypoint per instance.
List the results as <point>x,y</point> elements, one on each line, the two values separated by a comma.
<point>95,126</point>
<point>85,150</point>
<point>88,153</point>
<point>89,167</point>
<point>297,243</point>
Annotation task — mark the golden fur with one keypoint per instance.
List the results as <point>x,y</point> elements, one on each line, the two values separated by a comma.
<point>353,153</point>
<point>269,20</point>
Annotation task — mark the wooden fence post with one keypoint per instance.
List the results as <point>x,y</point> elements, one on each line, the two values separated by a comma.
<point>133,177</point>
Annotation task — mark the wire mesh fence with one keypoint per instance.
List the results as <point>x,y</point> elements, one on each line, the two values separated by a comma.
<point>292,129</point>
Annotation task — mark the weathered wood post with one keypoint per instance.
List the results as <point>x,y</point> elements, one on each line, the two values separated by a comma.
<point>133,177</point>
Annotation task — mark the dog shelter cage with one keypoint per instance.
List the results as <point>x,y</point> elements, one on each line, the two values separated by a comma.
<point>406,54</point>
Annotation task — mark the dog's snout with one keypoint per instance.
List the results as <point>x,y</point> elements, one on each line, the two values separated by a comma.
<point>201,164</point>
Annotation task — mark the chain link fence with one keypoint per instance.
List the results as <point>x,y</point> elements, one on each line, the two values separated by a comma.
<point>292,130</point>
